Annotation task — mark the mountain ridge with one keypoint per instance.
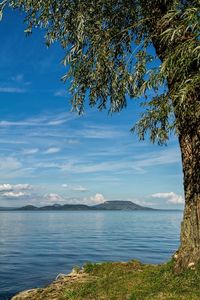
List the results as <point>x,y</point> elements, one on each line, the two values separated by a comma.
<point>107,205</point>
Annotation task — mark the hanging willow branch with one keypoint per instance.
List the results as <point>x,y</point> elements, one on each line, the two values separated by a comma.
<point>109,53</point>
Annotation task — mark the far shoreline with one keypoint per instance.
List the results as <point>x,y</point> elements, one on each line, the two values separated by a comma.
<point>112,205</point>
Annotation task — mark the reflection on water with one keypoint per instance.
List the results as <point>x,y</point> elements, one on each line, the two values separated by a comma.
<point>36,246</point>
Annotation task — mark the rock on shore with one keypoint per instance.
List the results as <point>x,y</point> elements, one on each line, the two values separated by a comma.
<point>55,290</point>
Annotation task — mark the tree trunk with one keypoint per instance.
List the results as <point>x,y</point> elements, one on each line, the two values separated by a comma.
<point>188,254</point>
<point>188,126</point>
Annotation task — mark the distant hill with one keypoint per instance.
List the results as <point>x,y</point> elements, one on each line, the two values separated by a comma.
<point>56,207</point>
<point>120,205</point>
<point>27,207</point>
<point>107,205</point>
<point>66,207</point>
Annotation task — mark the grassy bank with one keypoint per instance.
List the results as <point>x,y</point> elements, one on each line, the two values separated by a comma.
<point>121,281</point>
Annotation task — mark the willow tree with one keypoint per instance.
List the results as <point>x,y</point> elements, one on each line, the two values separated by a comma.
<point>119,50</point>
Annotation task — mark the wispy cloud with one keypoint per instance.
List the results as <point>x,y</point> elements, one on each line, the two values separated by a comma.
<point>150,159</point>
<point>73,142</point>
<point>100,132</point>
<point>42,120</point>
<point>52,150</point>
<point>10,89</point>
<point>142,202</point>
<point>95,167</point>
<point>15,85</point>
<point>9,163</point>
<point>76,188</point>
<point>60,93</point>
<point>12,167</point>
<point>31,151</point>
<point>6,141</point>
<point>138,164</point>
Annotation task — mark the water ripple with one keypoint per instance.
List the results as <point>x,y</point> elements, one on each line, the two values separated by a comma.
<point>35,247</point>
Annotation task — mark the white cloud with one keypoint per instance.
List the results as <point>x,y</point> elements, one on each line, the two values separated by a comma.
<point>76,188</point>
<point>14,191</point>
<point>6,187</point>
<point>30,151</point>
<point>96,199</point>
<point>53,198</point>
<point>14,194</point>
<point>52,150</point>
<point>64,185</point>
<point>171,197</point>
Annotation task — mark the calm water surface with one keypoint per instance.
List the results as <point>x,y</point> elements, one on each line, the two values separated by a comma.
<point>36,246</point>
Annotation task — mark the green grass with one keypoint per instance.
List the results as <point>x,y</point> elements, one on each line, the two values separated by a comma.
<point>134,281</point>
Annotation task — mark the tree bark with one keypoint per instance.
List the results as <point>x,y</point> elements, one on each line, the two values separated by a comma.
<point>188,120</point>
<point>188,254</point>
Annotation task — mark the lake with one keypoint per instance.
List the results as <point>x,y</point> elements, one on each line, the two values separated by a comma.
<point>36,246</point>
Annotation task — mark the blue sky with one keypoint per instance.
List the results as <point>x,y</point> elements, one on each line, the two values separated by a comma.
<point>51,155</point>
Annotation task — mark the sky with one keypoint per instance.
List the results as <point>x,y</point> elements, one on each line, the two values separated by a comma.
<point>51,155</point>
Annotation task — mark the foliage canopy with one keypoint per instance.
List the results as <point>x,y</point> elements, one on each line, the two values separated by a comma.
<point>109,50</point>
